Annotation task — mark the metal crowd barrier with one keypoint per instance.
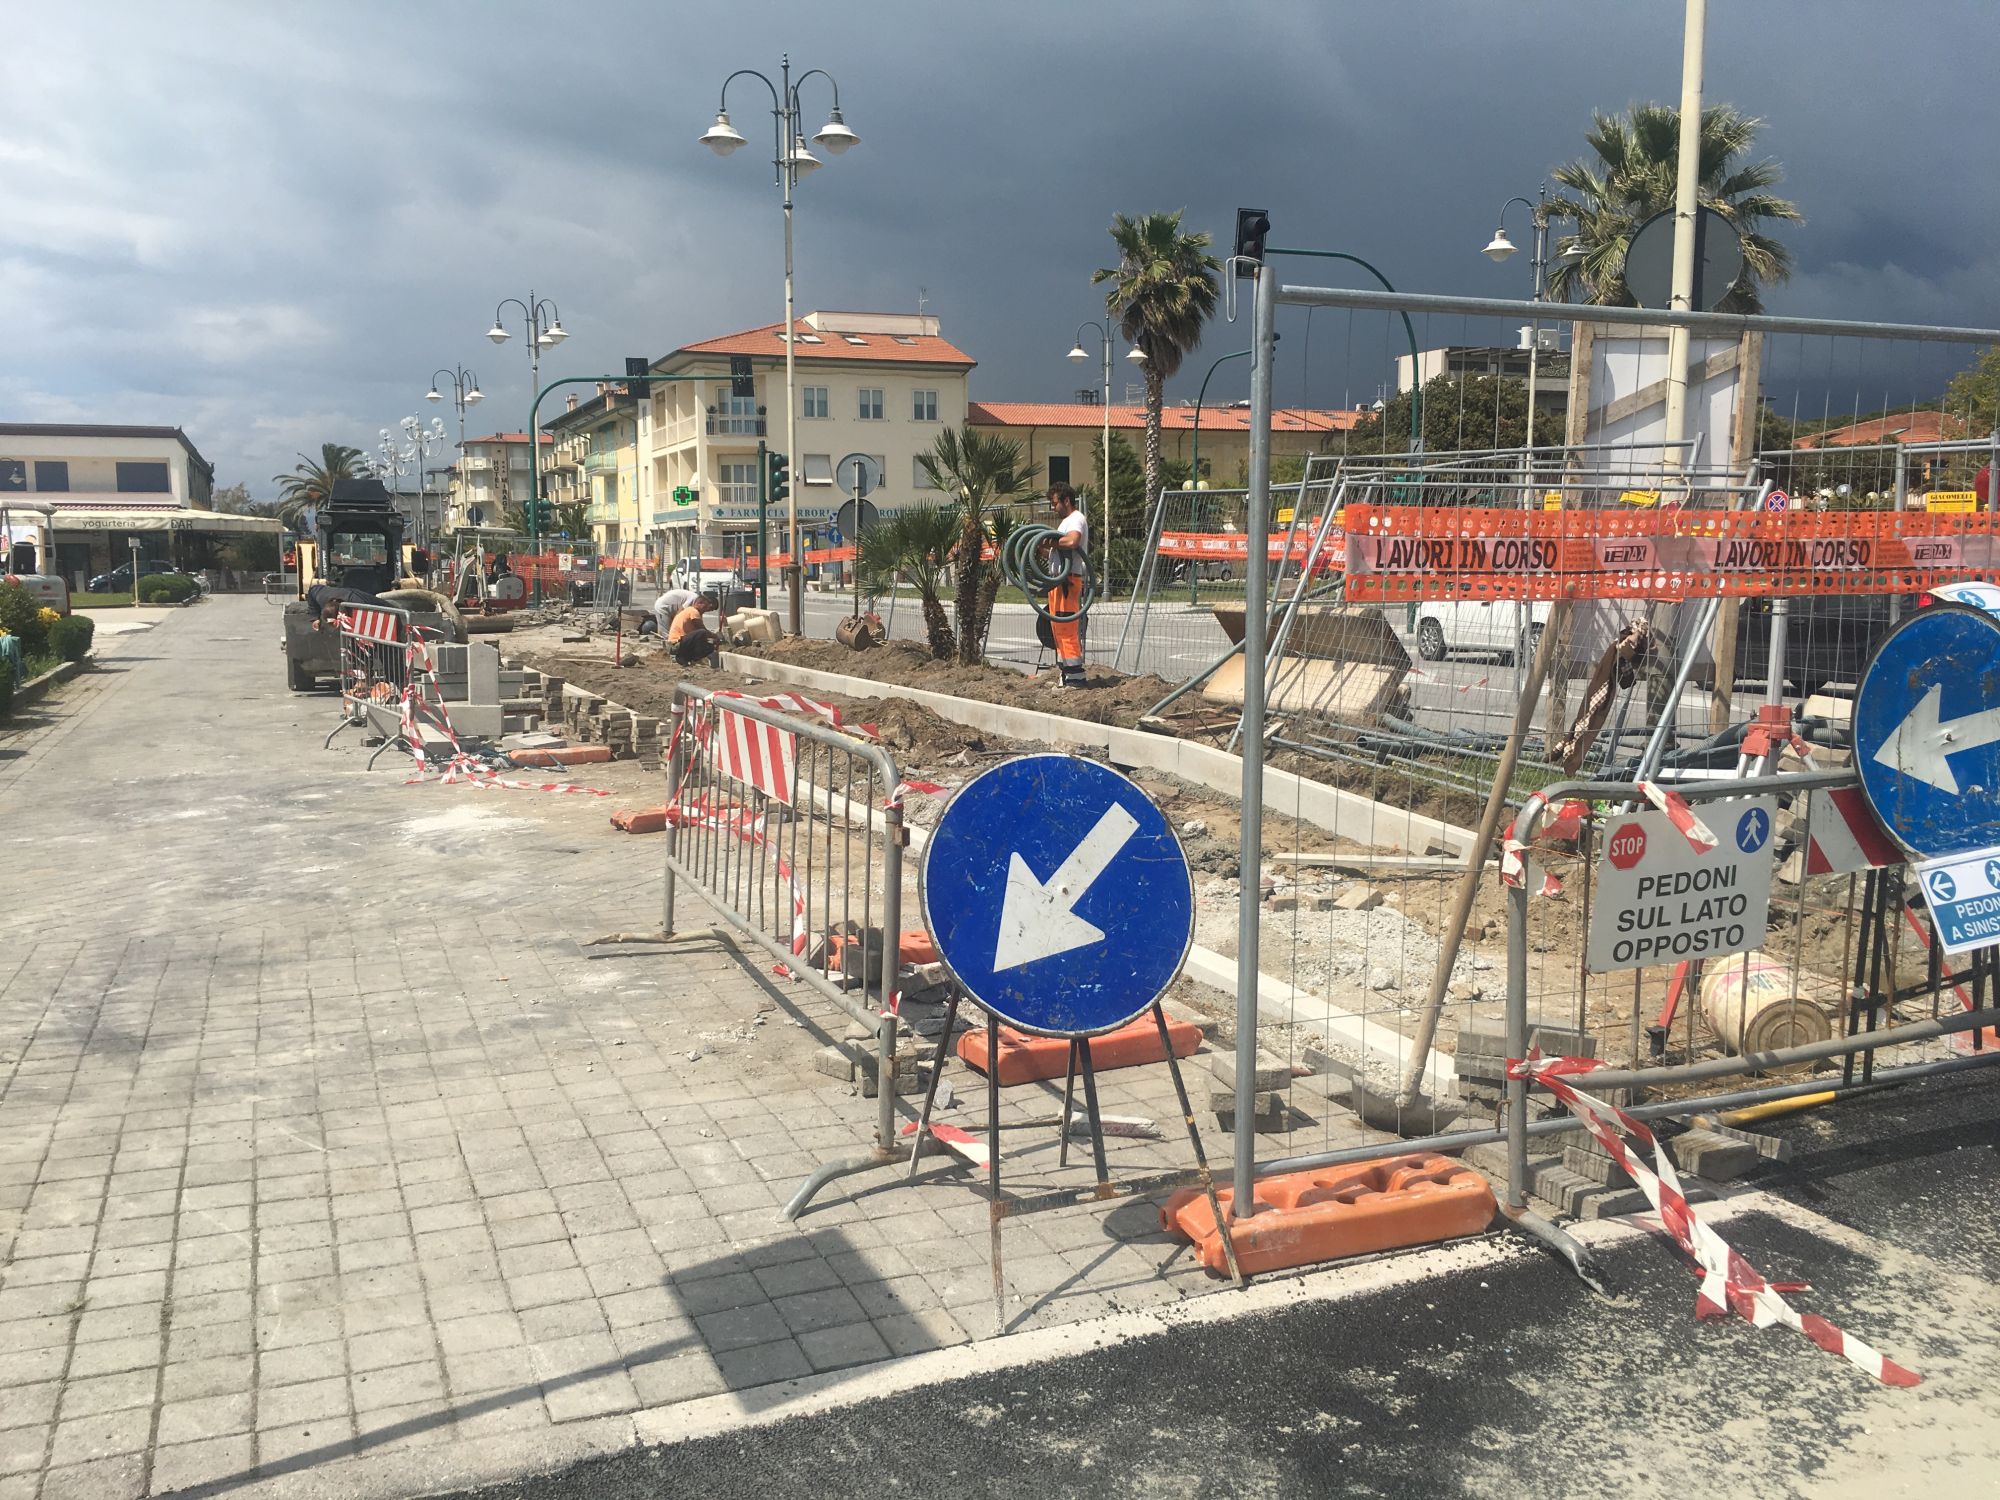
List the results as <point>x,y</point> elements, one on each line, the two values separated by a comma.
<point>793,832</point>
<point>1862,989</point>
<point>374,657</point>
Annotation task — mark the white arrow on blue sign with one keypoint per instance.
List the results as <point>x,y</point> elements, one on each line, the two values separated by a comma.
<point>1927,731</point>
<point>1058,895</point>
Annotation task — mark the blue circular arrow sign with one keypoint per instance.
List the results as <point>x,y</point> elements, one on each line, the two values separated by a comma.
<point>1058,895</point>
<point>1927,731</point>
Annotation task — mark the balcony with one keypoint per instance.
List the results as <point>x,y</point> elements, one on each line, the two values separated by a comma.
<point>719,426</point>
<point>476,465</point>
<point>600,463</point>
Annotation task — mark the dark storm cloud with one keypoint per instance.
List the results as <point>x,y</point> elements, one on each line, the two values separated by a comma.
<point>271,223</point>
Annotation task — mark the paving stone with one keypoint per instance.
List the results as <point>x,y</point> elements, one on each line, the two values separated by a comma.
<point>205,1417</point>
<point>188,1465</point>
<point>847,1344</point>
<point>398,1385</point>
<point>762,1364</point>
<point>122,1478</point>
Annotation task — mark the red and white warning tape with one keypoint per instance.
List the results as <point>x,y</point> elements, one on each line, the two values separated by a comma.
<point>1675,806</point>
<point>418,706</point>
<point>1727,1280</point>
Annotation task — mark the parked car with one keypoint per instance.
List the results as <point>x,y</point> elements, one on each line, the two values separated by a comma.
<point>1448,625</point>
<point>119,579</point>
<point>1828,637</point>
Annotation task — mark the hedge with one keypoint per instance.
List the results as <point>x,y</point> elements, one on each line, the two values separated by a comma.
<point>21,616</point>
<point>70,637</point>
<point>166,588</point>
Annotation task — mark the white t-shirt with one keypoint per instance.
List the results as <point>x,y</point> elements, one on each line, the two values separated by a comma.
<point>669,604</point>
<point>1075,525</point>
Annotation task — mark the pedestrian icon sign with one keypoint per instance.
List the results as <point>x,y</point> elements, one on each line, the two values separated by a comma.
<point>1752,829</point>
<point>1058,895</point>
<point>1962,892</point>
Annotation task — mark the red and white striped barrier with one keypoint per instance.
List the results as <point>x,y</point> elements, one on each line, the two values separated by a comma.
<point>1675,806</point>
<point>1728,1283</point>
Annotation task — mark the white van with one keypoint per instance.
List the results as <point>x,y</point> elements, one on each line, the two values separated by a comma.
<point>1486,625</point>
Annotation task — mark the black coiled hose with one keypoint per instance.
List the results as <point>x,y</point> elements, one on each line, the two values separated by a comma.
<point>1022,564</point>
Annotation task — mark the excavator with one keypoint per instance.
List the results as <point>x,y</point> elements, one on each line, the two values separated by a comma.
<point>357,542</point>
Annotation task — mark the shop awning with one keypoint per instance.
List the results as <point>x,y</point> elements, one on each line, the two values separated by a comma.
<point>71,519</point>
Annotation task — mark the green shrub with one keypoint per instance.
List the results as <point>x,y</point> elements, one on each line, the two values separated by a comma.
<point>20,617</point>
<point>70,637</point>
<point>166,588</point>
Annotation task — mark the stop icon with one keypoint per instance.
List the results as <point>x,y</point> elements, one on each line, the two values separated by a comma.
<point>1627,845</point>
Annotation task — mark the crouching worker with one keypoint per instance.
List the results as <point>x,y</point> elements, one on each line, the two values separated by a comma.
<point>324,602</point>
<point>689,637</point>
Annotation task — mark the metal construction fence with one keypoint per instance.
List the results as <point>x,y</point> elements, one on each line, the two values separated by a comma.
<point>1630,605</point>
<point>792,830</point>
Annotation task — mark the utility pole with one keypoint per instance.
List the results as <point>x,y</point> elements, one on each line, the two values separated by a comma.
<point>1687,184</point>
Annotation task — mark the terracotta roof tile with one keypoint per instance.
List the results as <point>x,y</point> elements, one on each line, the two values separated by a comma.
<point>1172,419</point>
<point>505,437</point>
<point>1897,427</point>
<point>874,348</point>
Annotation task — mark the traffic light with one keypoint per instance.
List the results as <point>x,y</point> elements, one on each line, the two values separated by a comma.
<point>543,514</point>
<point>1252,224</point>
<point>781,477</point>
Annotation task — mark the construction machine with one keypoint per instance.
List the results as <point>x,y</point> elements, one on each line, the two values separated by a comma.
<point>357,542</point>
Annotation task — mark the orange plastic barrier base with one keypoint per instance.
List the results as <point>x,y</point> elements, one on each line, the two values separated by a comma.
<point>1029,1059</point>
<point>641,819</point>
<point>1305,1217</point>
<point>566,755</point>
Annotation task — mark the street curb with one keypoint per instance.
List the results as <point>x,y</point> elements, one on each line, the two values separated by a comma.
<point>34,687</point>
<point>1343,813</point>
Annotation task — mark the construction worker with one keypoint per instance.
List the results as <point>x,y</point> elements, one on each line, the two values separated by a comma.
<point>689,637</point>
<point>1072,548</point>
<point>669,604</point>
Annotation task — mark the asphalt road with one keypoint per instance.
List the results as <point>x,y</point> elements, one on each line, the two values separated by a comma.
<point>1505,1378</point>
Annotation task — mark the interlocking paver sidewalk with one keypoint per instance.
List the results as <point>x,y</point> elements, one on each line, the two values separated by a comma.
<point>319,1137</point>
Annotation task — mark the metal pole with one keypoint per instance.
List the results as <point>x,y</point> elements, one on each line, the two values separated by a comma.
<point>794,568</point>
<point>534,447</point>
<point>1250,848</point>
<point>1107,462</point>
<point>1686,209</point>
<point>763,528</point>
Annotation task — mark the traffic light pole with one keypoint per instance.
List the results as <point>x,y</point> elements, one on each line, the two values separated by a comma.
<point>763,535</point>
<point>535,437</point>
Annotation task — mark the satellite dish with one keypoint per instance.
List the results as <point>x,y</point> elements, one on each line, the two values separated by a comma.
<point>848,524</point>
<point>858,475</point>
<point>1718,260</point>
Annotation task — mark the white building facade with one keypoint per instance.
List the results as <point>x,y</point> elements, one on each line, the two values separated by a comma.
<point>882,385</point>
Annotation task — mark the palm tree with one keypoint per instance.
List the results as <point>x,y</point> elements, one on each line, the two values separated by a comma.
<point>979,471</point>
<point>1162,290</point>
<point>310,483</point>
<point>1632,178</point>
<point>915,541</point>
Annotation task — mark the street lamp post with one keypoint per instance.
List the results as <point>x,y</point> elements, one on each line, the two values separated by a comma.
<point>1078,355</point>
<point>544,323</point>
<point>791,162</point>
<point>423,439</point>
<point>464,392</point>
<point>1194,480</point>
<point>1409,333</point>
<point>1497,250</point>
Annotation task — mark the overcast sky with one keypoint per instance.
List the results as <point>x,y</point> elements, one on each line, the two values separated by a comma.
<point>269,223</point>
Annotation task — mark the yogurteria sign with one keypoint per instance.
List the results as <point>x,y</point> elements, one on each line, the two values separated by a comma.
<point>1659,898</point>
<point>1409,552</point>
